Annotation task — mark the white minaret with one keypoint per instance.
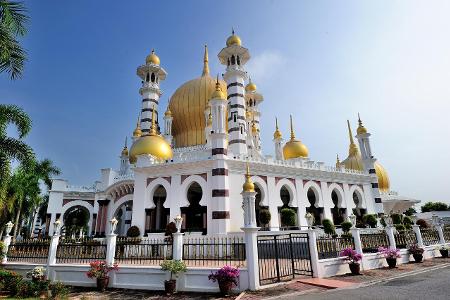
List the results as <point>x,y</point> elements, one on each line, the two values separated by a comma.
<point>278,142</point>
<point>253,99</point>
<point>234,56</point>
<point>168,126</point>
<point>124,161</point>
<point>151,74</point>
<point>369,162</point>
<point>220,188</point>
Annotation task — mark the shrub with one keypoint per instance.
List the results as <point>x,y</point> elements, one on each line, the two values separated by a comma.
<point>397,219</point>
<point>59,290</point>
<point>225,274</point>
<point>99,269</point>
<point>288,217</point>
<point>264,216</point>
<point>2,249</point>
<point>434,206</point>
<point>328,227</point>
<point>370,220</point>
<point>422,223</point>
<point>408,222</point>
<point>171,228</point>
<point>389,253</point>
<point>346,226</point>
<point>133,231</point>
<point>351,255</point>
<point>9,281</point>
<point>174,267</point>
<point>415,249</point>
<point>400,227</point>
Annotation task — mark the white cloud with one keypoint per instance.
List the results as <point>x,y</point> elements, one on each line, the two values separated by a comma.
<point>265,65</point>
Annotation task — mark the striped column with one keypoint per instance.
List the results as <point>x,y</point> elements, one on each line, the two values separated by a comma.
<point>237,127</point>
<point>150,101</point>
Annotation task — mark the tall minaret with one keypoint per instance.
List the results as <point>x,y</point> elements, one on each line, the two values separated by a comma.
<point>253,99</point>
<point>124,161</point>
<point>278,142</point>
<point>168,126</point>
<point>151,74</point>
<point>234,56</point>
<point>369,162</point>
<point>220,203</point>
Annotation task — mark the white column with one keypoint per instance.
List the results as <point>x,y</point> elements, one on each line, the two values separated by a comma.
<point>177,251</point>
<point>314,256</point>
<point>357,239</point>
<point>110,248</point>
<point>327,202</point>
<point>7,242</point>
<point>416,229</point>
<point>53,248</point>
<point>441,234</point>
<point>139,197</point>
<point>390,233</point>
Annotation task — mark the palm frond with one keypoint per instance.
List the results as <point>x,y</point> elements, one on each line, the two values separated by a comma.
<point>12,114</point>
<point>12,55</point>
<point>16,149</point>
<point>13,16</point>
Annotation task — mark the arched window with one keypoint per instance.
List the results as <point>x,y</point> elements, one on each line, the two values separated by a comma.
<point>233,60</point>
<point>339,213</point>
<point>317,212</point>
<point>123,215</point>
<point>228,62</point>
<point>238,60</point>
<point>147,77</point>
<point>286,198</point>
<point>153,77</point>
<point>359,212</point>
<point>76,219</point>
<point>195,214</point>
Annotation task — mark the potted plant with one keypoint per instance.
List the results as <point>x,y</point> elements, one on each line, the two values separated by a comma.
<point>99,270</point>
<point>226,276</point>
<point>37,274</point>
<point>443,249</point>
<point>174,267</point>
<point>391,256</point>
<point>353,259</point>
<point>416,252</point>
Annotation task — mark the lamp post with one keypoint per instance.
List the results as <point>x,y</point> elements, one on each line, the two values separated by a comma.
<point>56,226</point>
<point>178,221</point>
<point>352,219</point>
<point>9,227</point>
<point>309,220</point>
<point>113,224</point>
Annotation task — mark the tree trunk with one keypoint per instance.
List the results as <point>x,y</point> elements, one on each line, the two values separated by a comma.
<point>16,223</point>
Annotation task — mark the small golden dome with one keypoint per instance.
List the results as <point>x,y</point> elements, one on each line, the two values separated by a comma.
<point>233,40</point>
<point>248,185</point>
<point>152,143</point>
<point>137,131</point>
<point>218,94</point>
<point>124,151</point>
<point>250,87</point>
<point>152,59</point>
<point>294,148</point>
<point>248,114</point>
<point>361,129</point>
<point>277,134</point>
<point>168,113</point>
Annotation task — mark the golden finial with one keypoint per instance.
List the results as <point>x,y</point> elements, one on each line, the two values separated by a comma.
<point>248,185</point>
<point>205,62</point>
<point>137,132</point>
<point>353,150</point>
<point>153,126</point>
<point>125,148</point>
<point>338,162</point>
<point>361,129</point>
<point>218,94</point>
<point>292,129</point>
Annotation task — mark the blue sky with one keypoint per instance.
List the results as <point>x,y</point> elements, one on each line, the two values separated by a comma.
<point>322,61</point>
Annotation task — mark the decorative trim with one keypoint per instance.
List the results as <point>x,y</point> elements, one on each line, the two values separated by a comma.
<point>235,84</point>
<point>150,110</point>
<point>238,141</point>
<point>217,151</point>
<point>233,129</point>
<point>168,179</point>
<point>220,193</point>
<point>202,175</point>
<point>262,177</point>
<point>238,117</point>
<point>220,172</point>
<point>220,215</point>
<point>91,202</point>
<point>237,106</point>
<point>235,95</point>
<point>150,100</point>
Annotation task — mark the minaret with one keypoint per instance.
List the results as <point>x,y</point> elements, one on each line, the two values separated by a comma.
<point>220,201</point>
<point>369,162</point>
<point>151,74</point>
<point>124,161</point>
<point>168,126</point>
<point>278,142</point>
<point>253,99</point>
<point>248,200</point>
<point>234,56</point>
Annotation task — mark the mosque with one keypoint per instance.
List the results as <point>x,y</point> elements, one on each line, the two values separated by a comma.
<point>191,161</point>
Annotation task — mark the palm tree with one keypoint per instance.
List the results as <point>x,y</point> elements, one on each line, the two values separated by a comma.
<point>12,26</point>
<point>12,148</point>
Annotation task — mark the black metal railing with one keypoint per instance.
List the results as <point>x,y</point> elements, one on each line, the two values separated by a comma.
<point>329,247</point>
<point>142,251</point>
<point>214,251</point>
<point>446,232</point>
<point>29,250</point>
<point>80,251</point>
<point>371,241</point>
<point>430,236</point>
<point>405,238</point>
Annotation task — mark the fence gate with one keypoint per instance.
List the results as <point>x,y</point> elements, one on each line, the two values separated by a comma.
<point>282,257</point>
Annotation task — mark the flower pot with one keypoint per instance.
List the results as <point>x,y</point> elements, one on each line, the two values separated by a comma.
<point>418,257</point>
<point>102,284</point>
<point>354,268</point>
<point>392,262</point>
<point>444,253</point>
<point>170,286</point>
<point>225,287</point>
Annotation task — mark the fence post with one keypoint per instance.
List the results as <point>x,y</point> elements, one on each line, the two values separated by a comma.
<point>416,229</point>
<point>357,239</point>
<point>177,246</point>
<point>441,233</point>
<point>390,233</point>
<point>314,255</point>
<point>110,248</point>
<point>7,242</point>
<point>54,241</point>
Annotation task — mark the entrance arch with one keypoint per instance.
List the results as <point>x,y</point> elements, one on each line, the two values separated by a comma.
<point>339,213</point>
<point>158,216</point>
<point>194,215</point>
<point>76,219</point>
<point>123,215</point>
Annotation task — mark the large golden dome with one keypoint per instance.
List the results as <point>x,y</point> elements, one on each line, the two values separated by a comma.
<point>294,148</point>
<point>354,162</point>
<point>188,105</point>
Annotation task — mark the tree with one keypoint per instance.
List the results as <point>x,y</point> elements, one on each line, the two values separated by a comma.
<point>434,206</point>
<point>12,26</point>
<point>264,217</point>
<point>288,217</point>
<point>410,211</point>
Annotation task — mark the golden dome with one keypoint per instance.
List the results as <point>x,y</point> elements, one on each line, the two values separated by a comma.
<point>361,129</point>
<point>152,143</point>
<point>354,162</point>
<point>248,185</point>
<point>233,40</point>
<point>168,113</point>
<point>137,132</point>
<point>125,148</point>
<point>294,148</point>
<point>277,134</point>
<point>188,105</point>
<point>218,94</point>
<point>152,59</point>
<point>250,87</point>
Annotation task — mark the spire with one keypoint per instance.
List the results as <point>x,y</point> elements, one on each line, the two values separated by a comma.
<point>126,142</point>
<point>350,134</point>
<point>232,30</point>
<point>353,150</point>
<point>137,131</point>
<point>361,129</point>
<point>277,134</point>
<point>338,162</point>
<point>205,62</point>
<point>125,148</point>
<point>153,127</point>
<point>292,129</point>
